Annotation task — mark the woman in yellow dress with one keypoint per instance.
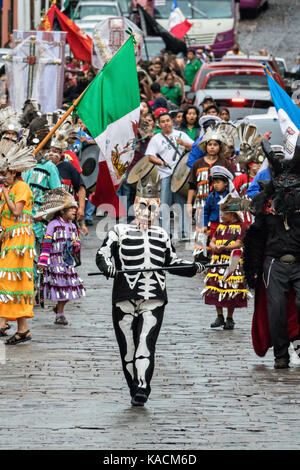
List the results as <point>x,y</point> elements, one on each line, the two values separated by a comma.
<point>17,244</point>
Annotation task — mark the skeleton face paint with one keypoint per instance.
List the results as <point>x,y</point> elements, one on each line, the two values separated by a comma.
<point>146,210</point>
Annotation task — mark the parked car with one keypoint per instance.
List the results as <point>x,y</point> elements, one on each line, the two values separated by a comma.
<point>260,59</point>
<point>82,10</point>
<point>240,103</point>
<point>217,65</point>
<point>251,7</point>
<point>244,78</point>
<point>267,122</point>
<point>226,63</point>
<point>95,11</point>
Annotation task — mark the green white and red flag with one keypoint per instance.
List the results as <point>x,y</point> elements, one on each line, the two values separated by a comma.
<point>110,109</point>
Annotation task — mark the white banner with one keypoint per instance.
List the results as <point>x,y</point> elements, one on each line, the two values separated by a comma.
<point>35,69</point>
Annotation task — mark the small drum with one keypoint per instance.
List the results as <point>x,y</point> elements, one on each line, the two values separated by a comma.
<point>89,162</point>
<point>180,176</point>
<point>142,169</point>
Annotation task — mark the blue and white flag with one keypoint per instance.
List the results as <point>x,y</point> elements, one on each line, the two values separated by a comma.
<point>288,115</point>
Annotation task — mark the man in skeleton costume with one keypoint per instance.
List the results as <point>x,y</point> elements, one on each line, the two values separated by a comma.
<point>139,298</point>
<point>272,259</point>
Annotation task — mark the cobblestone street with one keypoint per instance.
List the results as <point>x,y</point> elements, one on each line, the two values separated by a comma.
<point>65,389</point>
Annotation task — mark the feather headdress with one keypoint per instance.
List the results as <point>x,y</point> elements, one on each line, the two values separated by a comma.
<point>18,158</point>
<point>229,130</point>
<point>55,200</point>
<point>11,124</point>
<point>59,141</point>
<point>231,203</point>
<point>6,113</point>
<point>5,146</point>
<point>66,130</point>
<point>250,144</point>
<point>214,133</point>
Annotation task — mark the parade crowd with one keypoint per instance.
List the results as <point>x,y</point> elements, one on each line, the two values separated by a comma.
<point>45,208</point>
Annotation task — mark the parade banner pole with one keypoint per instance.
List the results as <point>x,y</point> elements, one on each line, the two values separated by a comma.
<point>59,123</point>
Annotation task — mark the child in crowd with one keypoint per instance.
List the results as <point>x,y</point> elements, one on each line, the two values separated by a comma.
<point>220,178</point>
<point>61,242</point>
<point>231,292</point>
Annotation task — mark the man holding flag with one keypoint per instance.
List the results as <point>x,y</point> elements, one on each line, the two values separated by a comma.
<point>113,122</point>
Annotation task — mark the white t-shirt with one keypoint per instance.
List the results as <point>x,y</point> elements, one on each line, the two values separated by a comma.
<point>160,147</point>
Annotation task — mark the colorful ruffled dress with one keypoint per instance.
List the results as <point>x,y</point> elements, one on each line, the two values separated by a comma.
<point>231,293</point>
<point>61,281</point>
<point>17,255</point>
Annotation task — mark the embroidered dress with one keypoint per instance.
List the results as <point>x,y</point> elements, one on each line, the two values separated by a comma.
<point>61,281</point>
<point>17,255</point>
<point>231,293</point>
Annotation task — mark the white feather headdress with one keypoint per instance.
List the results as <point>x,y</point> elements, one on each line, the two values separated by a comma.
<point>18,158</point>
<point>214,133</point>
<point>229,130</point>
<point>6,113</point>
<point>250,144</point>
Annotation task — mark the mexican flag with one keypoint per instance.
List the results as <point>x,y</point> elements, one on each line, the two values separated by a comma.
<point>110,109</point>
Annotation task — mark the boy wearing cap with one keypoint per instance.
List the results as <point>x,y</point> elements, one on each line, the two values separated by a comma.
<point>220,177</point>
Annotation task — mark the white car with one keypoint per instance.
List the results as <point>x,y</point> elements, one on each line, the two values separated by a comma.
<point>267,122</point>
<point>88,13</point>
<point>123,4</point>
<point>240,102</point>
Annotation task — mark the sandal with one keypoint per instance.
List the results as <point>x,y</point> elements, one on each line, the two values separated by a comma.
<point>19,338</point>
<point>3,332</point>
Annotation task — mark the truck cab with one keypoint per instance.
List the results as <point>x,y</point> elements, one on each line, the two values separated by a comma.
<point>214,22</point>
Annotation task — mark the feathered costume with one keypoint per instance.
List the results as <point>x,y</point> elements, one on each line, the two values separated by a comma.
<point>61,281</point>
